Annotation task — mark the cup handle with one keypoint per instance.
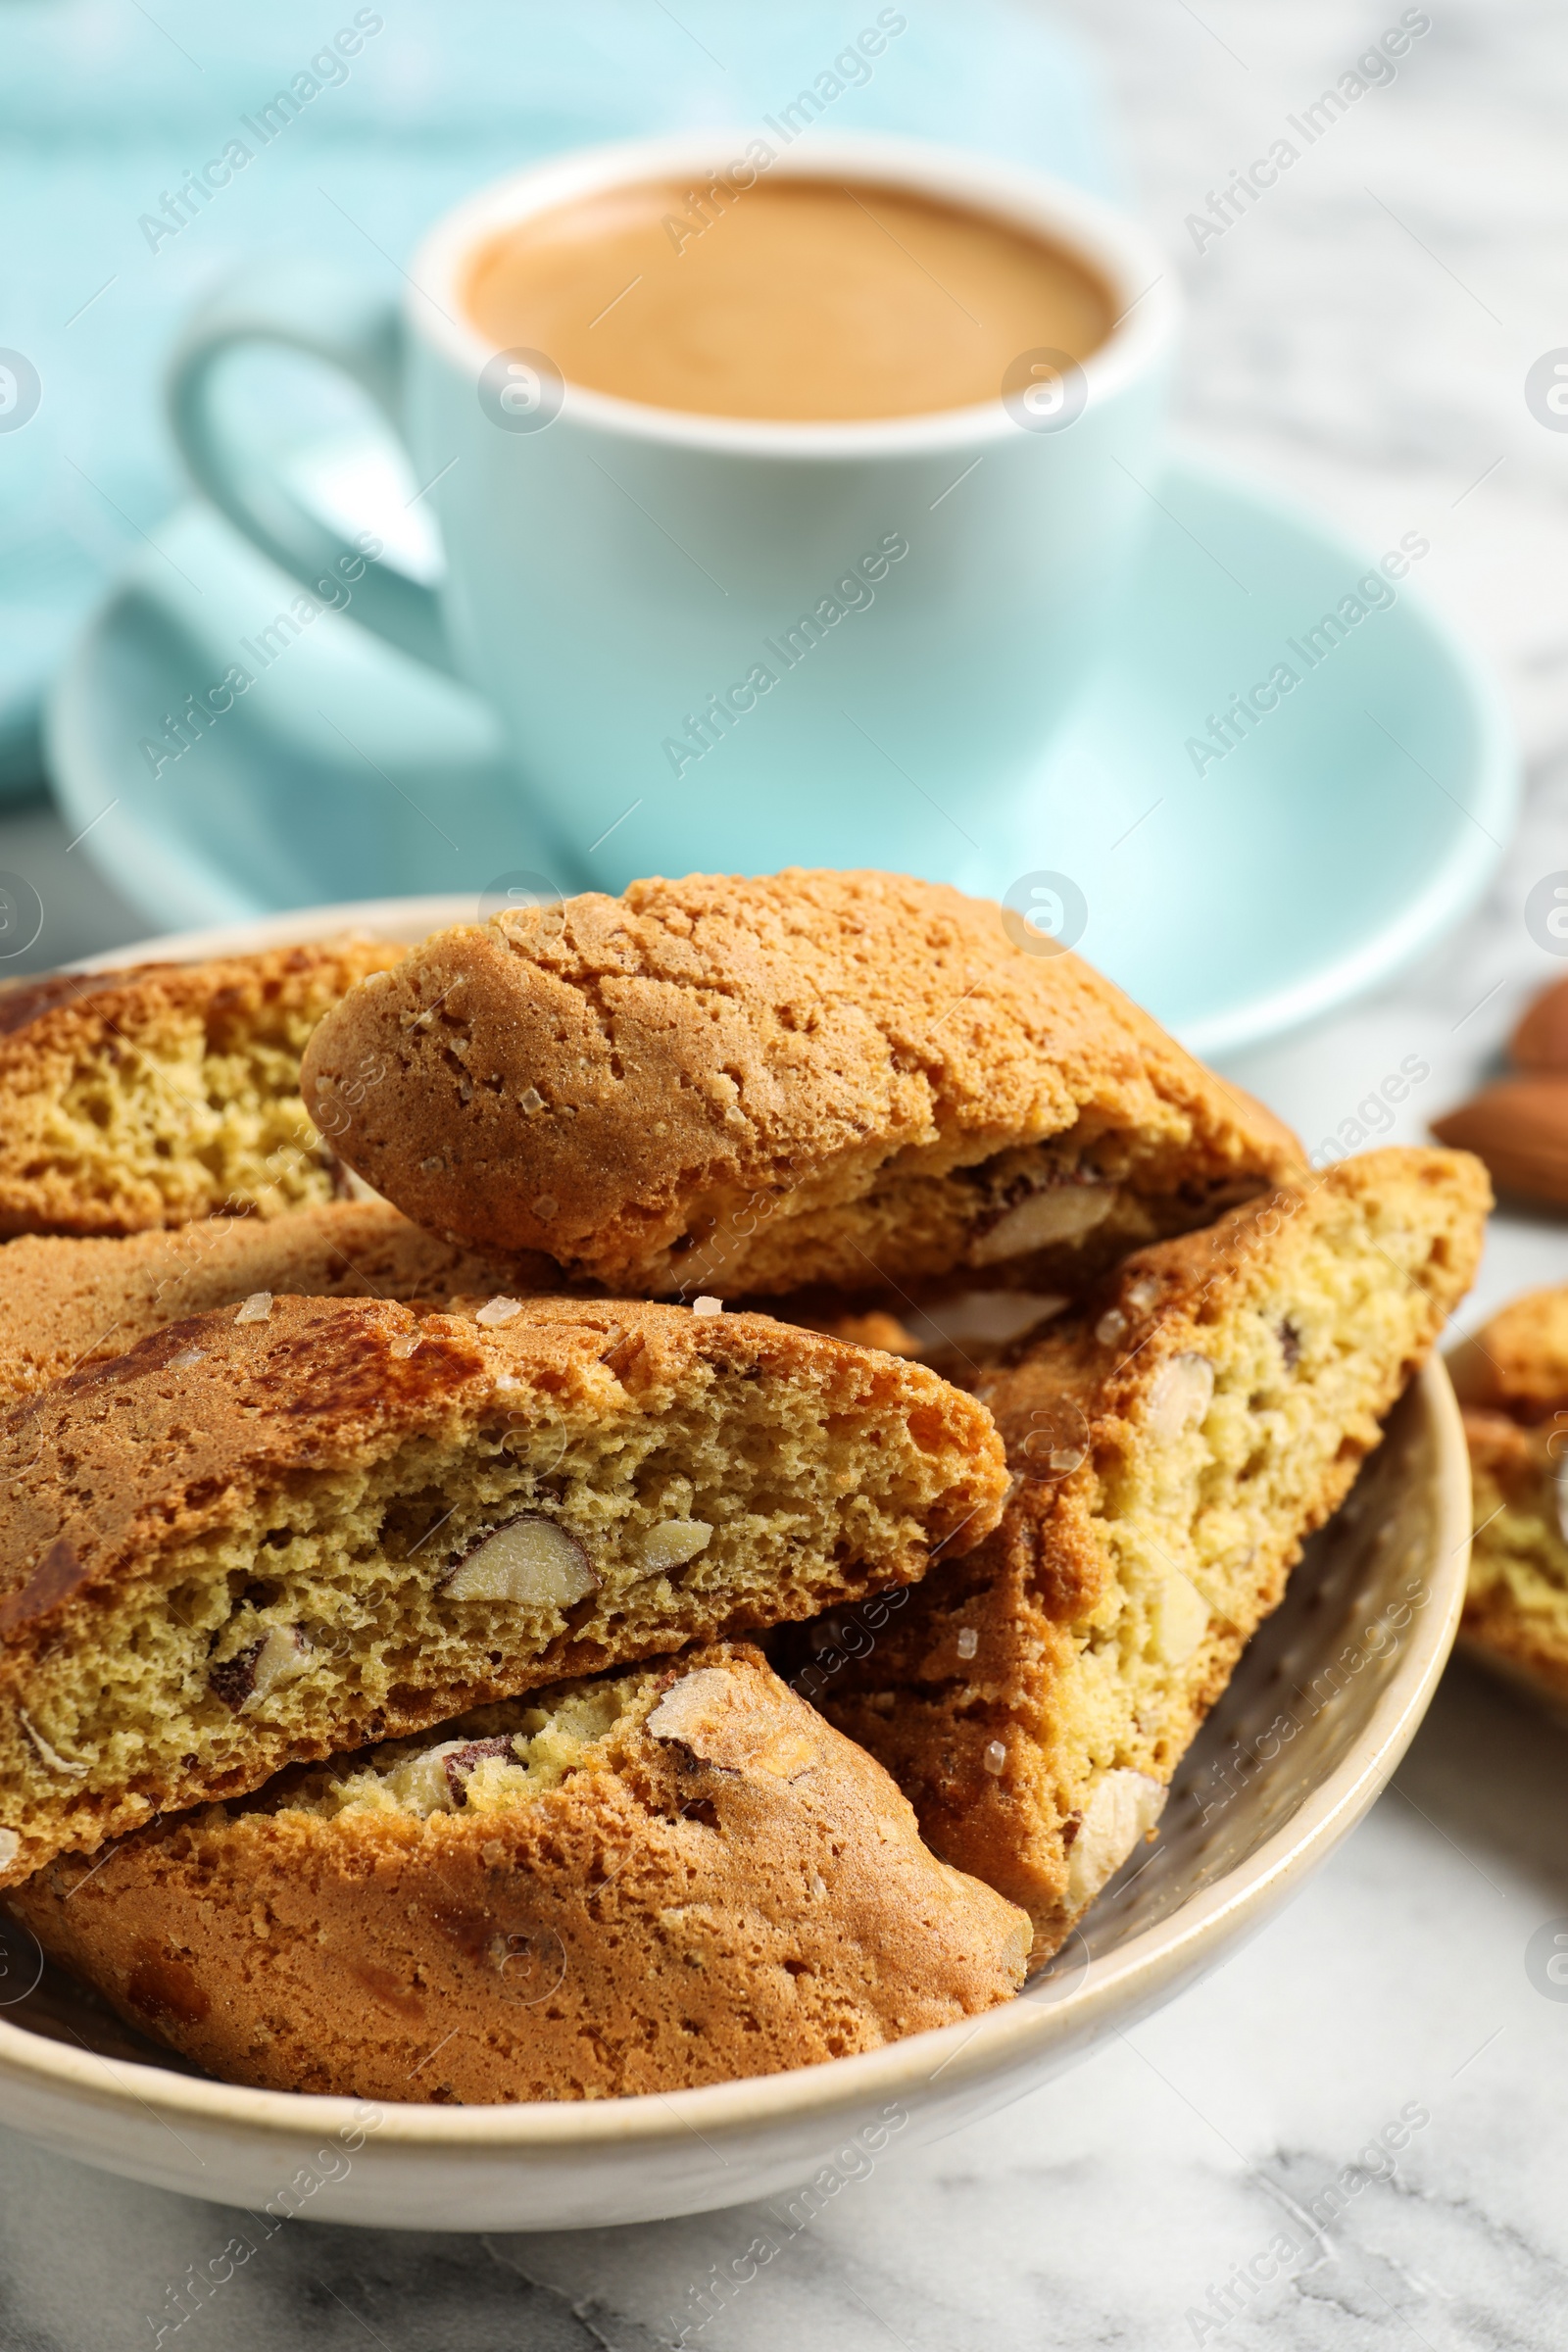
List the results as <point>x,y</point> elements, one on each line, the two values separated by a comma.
<point>311,308</point>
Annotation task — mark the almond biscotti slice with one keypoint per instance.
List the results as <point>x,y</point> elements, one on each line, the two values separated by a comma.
<point>1173,1444</point>
<point>676,1876</point>
<point>1512,1381</point>
<point>274,1532</point>
<point>748,1086</point>
<point>66,1303</point>
<point>170,1091</point>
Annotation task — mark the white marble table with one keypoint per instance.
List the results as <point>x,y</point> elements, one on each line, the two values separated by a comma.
<point>1362,337</point>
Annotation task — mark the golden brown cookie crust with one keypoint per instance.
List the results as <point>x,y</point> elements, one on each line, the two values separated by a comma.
<point>233,1547</point>
<point>1518,1363</point>
<point>677,1910</point>
<point>145,1097</point>
<point>66,1303</point>
<point>1512,1377</point>
<point>1173,1444</point>
<point>747,1086</point>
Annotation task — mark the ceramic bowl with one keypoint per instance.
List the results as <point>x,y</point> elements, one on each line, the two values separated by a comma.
<point>1313,1725</point>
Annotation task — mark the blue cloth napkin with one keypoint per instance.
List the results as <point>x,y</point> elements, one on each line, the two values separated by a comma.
<point>107,108</point>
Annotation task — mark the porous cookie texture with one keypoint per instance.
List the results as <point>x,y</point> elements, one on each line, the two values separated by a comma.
<point>747,1086</point>
<point>66,1303</point>
<point>171,1091</point>
<point>1173,1444</point>
<point>271,1533</point>
<point>677,1876</point>
<point>1512,1381</point>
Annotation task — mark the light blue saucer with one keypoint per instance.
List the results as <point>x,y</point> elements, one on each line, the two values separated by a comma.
<point>345,772</point>
<point>1237,890</point>
<point>1245,879</point>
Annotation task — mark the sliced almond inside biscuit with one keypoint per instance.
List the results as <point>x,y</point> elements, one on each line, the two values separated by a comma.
<point>1123,1809</point>
<point>1064,1212</point>
<point>528,1560</point>
<point>1180,1619</point>
<point>716,1715</point>
<point>675,1542</point>
<point>1181,1396</point>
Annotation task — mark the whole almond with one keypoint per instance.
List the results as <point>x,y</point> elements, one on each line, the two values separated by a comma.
<point>1541,1041</point>
<point>1519,1129</point>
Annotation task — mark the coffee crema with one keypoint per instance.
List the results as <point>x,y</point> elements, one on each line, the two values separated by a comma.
<point>800,301</point>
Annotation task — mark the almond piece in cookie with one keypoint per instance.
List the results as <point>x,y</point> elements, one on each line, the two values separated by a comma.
<point>144,1098</point>
<point>66,1303</point>
<point>1512,1381</point>
<point>674,1876</point>
<point>746,1087</point>
<point>1174,1444</point>
<point>259,1539</point>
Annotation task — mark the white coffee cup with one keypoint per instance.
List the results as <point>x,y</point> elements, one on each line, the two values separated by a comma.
<point>720,644</point>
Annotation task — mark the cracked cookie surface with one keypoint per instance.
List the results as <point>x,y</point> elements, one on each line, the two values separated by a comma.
<point>68,1301</point>
<point>748,1086</point>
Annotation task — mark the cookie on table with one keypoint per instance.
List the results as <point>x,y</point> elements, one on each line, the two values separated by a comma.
<point>676,1876</point>
<point>752,1086</point>
<point>273,1533</point>
<point>1173,1444</point>
<point>66,1303</point>
<point>1512,1381</point>
<point>170,1091</point>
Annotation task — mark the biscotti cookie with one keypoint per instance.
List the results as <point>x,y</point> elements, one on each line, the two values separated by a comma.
<point>1518,1363</point>
<point>745,1087</point>
<point>274,1532</point>
<point>1173,1444</point>
<point>681,1875</point>
<point>171,1091</point>
<point>66,1303</point>
<point>1512,1381</point>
